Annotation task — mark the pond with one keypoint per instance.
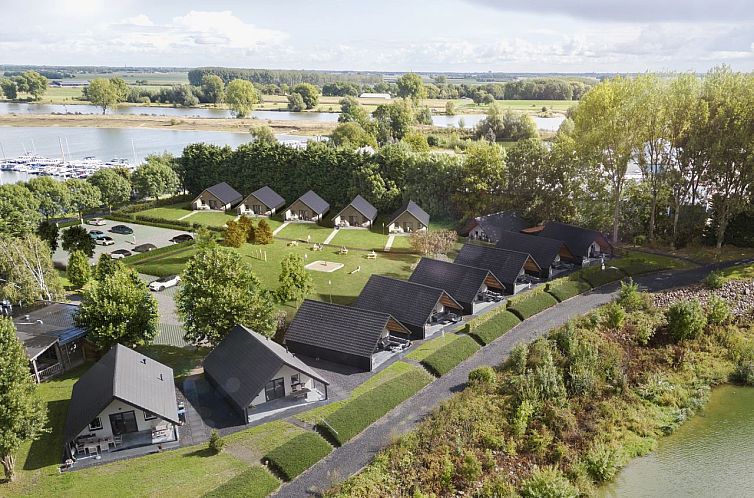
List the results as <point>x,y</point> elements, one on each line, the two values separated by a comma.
<point>709,455</point>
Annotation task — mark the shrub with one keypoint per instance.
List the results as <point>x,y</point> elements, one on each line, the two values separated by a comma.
<point>263,233</point>
<point>518,358</point>
<point>644,326</point>
<point>614,315</point>
<point>531,305</point>
<point>744,371</point>
<point>631,298</point>
<point>498,487</point>
<point>602,462</point>
<point>714,280</point>
<point>521,417</point>
<point>494,327</point>
<point>471,468</point>
<point>567,288</point>
<point>548,482</point>
<point>597,277</point>
<point>686,320</point>
<point>447,357</point>
<point>253,483</point>
<point>718,310</point>
<point>483,375</point>
<point>292,458</point>
<point>216,443</point>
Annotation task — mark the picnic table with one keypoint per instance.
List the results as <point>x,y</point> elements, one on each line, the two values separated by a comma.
<point>372,255</point>
<point>343,250</point>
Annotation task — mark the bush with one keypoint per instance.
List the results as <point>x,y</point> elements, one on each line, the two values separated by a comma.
<point>360,412</point>
<point>602,462</point>
<point>518,358</point>
<point>447,357</point>
<point>631,298</point>
<point>597,277</point>
<point>718,310</point>
<point>614,315</point>
<point>471,468</point>
<point>744,371</point>
<point>483,375</point>
<point>686,320</point>
<point>548,482</point>
<point>494,327</point>
<point>531,305</point>
<point>567,288</point>
<point>714,280</point>
<point>216,443</point>
<point>292,458</point>
<point>644,326</point>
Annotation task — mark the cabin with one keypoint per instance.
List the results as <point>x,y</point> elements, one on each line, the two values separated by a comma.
<point>308,207</point>
<point>371,95</point>
<point>349,336</point>
<point>220,197</point>
<point>509,267</point>
<point>262,202</point>
<point>422,309</point>
<point>473,288</point>
<point>409,218</point>
<point>359,213</point>
<point>490,227</point>
<point>124,401</point>
<point>53,342</point>
<point>585,244</point>
<point>253,371</point>
<point>548,253</point>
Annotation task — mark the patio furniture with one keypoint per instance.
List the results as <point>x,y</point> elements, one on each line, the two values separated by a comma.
<point>372,255</point>
<point>343,250</point>
<point>293,243</point>
<point>117,441</point>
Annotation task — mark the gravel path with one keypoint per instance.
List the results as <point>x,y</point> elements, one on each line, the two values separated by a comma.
<point>357,453</point>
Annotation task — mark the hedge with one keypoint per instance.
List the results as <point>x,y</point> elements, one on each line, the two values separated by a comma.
<point>171,225</point>
<point>447,357</point>
<point>143,206</point>
<point>361,412</point>
<point>160,251</point>
<point>297,455</point>
<point>567,288</point>
<point>596,276</point>
<point>495,327</point>
<point>255,482</point>
<point>532,304</point>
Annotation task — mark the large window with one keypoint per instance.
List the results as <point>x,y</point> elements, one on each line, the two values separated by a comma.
<point>274,389</point>
<point>95,424</point>
<point>123,423</point>
<point>149,416</point>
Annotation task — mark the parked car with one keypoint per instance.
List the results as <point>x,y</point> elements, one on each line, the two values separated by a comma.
<point>96,234</point>
<point>145,248</point>
<point>163,283</point>
<point>184,237</point>
<point>98,222</point>
<point>104,241</point>
<point>120,253</point>
<point>122,229</point>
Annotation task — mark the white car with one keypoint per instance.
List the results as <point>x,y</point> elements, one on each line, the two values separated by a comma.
<point>120,253</point>
<point>163,283</point>
<point>104,241</point>
<point>98,222</point>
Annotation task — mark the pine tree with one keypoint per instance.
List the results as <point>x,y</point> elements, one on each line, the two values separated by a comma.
<point>106,266</point>
<point>79,272</point>
<point>263,232</point>
<point>246,225</point>
<point>295,281</point>
<point>235,235</point>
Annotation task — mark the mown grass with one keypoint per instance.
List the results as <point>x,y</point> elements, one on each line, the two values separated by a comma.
<point>432,345</point>
<point>450,355</point>
<point>567,288</point>
<point>495,327</point>
<point>738,272</point>
<point>532,303</point>
<point>300,231</point>
<point>360,239</point>
<point>212,219</point>
<point>256,482</point>
<point>595,276</point>
<point>636,263</point>
<point>292,458</point>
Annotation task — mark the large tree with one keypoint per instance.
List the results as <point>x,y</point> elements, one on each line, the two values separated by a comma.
<point>218,291</point>
<point>78,271</point>
<point>33,83</point>
<point>118,309</point>
<point>114,188</point>
<point>393,120</point>
<point>105,92</point>
<point>49,232</point>
<point>22,414</point>
<point>241,97</point>
<point>411,86</point>
<point>19,210</point>
<point>483,180</point>
<point>76,238</point>
<point>26,270</point>
<point>9,88</point>
<point>295,281</point>
<point>309,94</point>
<point>213,88</point>
<point>156,177</point>
<point>352,135</point>
<point>52,195</point>
<point>83,196</point>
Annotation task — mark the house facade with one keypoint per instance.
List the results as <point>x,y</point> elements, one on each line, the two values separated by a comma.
<point>308,207</point>
<point>492,227</point>
<point>220,197</point>
<point>262,202</point>
<point>359,213</point>
<point>407,219</point>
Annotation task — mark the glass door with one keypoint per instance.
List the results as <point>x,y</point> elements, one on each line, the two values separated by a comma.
<point>274,389</point>
<point>123,423</point>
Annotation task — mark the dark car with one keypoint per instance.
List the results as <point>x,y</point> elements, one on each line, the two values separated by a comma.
<point>145,248</point>
<point>184,237</point>
<point>120,253</point>
<point>122,229</point>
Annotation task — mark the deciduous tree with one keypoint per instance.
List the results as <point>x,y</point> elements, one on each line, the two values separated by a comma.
<point>309,94</point>
<point>352,136</point>
<point>76,238</point>
<point>114,188</point>
<point>49,231</point>
<point>19,210</point>
<point>241,97</point>
<point>26,270</point>
<point>83,196</point>
<point>104,93</point>
<point>156,176</point>
<point>483,180</point>
<point>106,266</point>
<point>213,88</point>
<point>263,133</point>
<point>411,86</point>
<point>295,281</point>
<point>52,195</point>
<point>79,272</point>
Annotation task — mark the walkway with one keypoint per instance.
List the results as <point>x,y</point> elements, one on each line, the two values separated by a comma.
<point>331,236</point>
<point>349,459</point>
<point>285,224</point>
<point>192,213</point>
<point>389,243</point>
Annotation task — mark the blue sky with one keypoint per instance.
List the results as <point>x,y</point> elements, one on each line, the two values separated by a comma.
<point>387,35</point>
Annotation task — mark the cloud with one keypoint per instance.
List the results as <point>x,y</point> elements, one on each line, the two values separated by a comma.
<point>632,10</point>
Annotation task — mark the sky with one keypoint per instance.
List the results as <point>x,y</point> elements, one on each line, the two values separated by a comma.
<point>384,35</point>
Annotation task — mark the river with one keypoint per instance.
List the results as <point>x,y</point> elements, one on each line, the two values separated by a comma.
<point>709,455</point>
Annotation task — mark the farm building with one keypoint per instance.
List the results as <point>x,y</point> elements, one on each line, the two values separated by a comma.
<point>584,243</point>
<point>420,308</point>
<point>369,95</point>
<point>359,213</point>
<point>490,227</point>
<point>508,267</point>
<point>251,370</point>
<point>345,335</point>
<point>546,252</point>
<point>308,207</point>
<point>409,218</point>
<point>218,197</point>
<point>262,202</point>
<point>473,288</point>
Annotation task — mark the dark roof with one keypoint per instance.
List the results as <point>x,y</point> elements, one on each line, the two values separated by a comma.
<point>226,193</point>
<point>414,210</point>
<point>462,282</point>
<point>122,374</point>
<point>576,238</point>
<point>338,328</point>
<point>269,197</point>
<point>363,206</point>
<point>505,265</point>
<point>495,224</point>
<point>409,302</point>
<point>542,249</point>
<point>47,325</point>
<point>316,203</point>
<point>245,361</point>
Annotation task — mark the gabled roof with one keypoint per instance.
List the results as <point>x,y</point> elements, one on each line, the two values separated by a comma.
<point>225,193</point>
<point>245,361</point>
<point>363,206</point>
<point>462,282</point>
<point>47,325</point>
<point>505,265</point>
<point>495,224</point>
<point>576,238</point>
<point>316,203</point>
<point>128,376</point>
<point>415,211</point>
<point>542,249</point>
<point>410,303</point>
<point>339,328</point>
<point>269,197</point>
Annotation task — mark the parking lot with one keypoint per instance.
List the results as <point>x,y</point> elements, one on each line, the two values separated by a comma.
<point>143,234</point>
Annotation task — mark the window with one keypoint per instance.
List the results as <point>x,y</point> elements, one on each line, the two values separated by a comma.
<point>295,379</point>
<point>95,424</point>
<point>123,423</point>
<point>274,389</point>
<point>149,416</point>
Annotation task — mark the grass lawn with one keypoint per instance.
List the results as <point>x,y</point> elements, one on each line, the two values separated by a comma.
<point>211,218</point>
<point>430,346</point>
<point>401,243</point>
<point>738,272</point>
<point>165,263</point>
<point>360,239</point>
<point>450,355</point>
<point>181,360</point>
<point>172,212</point>
<point>635,262</point>
<point>300,231</point>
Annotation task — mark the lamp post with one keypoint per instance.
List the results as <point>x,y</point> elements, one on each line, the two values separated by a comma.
<point>329,284</point>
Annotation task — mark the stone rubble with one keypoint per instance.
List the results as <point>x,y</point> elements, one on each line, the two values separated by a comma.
<point>738,293</point>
